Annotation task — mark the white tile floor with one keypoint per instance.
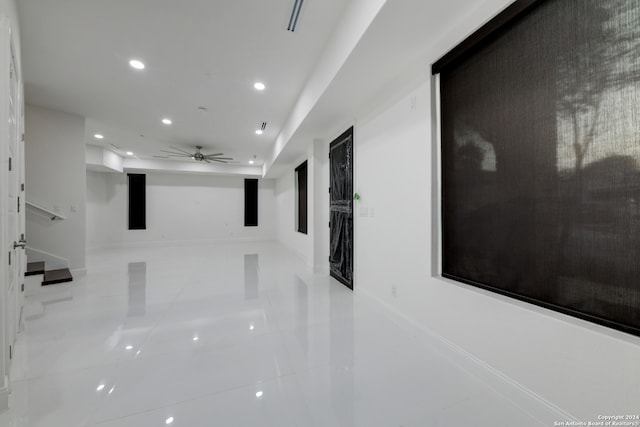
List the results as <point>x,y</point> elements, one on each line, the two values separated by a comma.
<point>238,335</point>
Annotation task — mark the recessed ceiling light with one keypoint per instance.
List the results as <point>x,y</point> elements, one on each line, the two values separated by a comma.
<point>168,420</point>
<point>129,153</point>
<point>259,132</point>
<point>129,347</point>
<point>137,64</point>
<point>100,387</point>
<point>259,394</point>
<point>167,121</point>
<point>98,136</point>
<point>259,86</point>
<point>251,162</point>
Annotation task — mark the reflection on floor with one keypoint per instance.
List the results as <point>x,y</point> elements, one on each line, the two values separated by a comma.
<point>238,335</point>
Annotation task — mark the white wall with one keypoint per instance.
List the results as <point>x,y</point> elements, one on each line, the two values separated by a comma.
<point>55,179</point>
<point>319,210</point>
<point>285,195</point>
<point>582,368</point>
<point>313,247</point>
<point>102,160</point>
<point>180,207</point>
<point>102,220</point>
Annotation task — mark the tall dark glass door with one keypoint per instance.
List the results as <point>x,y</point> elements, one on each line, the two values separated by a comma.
<point>341,208</point>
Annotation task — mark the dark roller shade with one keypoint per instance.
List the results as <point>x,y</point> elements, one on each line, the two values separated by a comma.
<point>484,35</point>
<point>137,202</point>
<point>250,202</point>
<point>541,160</point>
<point>301,174</point>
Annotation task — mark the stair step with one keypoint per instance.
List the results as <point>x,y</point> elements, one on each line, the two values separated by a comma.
<point>52,277</point>
<point>34,268</point>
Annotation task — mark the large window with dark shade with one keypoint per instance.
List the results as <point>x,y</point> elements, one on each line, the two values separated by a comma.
<point>541,158</point>
<point>250,202</point>
<point>301,186</point>
<point>137,201</point>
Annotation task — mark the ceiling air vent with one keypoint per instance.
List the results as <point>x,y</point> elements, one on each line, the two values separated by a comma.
<point>263,125</point>
<point>295,14</point>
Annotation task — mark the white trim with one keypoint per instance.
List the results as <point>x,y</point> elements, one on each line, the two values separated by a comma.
<point>436,200</point>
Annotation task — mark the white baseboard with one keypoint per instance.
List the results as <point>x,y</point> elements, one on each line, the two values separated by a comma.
<point>169,243</point>
<point>521,396</point>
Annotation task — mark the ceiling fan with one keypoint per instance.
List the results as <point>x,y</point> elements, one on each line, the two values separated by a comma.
<point>198,155</point>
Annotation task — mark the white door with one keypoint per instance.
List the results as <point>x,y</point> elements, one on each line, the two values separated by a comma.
<point>10,193</point>
<point>21,255</point>
<point>16,198</point>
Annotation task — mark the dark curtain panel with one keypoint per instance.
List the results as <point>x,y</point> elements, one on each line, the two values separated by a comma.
<point>540,161</point>
<point>250,202</point>
<point>137,201</point>
<point>301,174</point>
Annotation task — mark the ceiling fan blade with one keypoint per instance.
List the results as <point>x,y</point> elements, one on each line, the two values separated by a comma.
<point>214,155</point>
<point>161,157</point>
<point>206,160</point>
<point>181,150</point>
<point>177,154</point>
<point>220,158</point>
<point>219,161</point>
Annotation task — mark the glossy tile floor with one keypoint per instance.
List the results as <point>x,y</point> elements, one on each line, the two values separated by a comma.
<point>238,335</point>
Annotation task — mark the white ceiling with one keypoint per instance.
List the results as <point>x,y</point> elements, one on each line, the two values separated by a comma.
<point>209,53</point>
<point>197,53</point>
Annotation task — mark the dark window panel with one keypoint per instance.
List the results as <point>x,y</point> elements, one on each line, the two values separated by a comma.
<point>137,202</point>
<point>301,175</point>
<point>250,202</point>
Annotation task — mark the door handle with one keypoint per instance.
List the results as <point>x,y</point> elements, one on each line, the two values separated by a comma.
<point>21,244</point>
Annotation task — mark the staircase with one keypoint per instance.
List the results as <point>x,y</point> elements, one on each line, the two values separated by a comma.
<point>49,277</point>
